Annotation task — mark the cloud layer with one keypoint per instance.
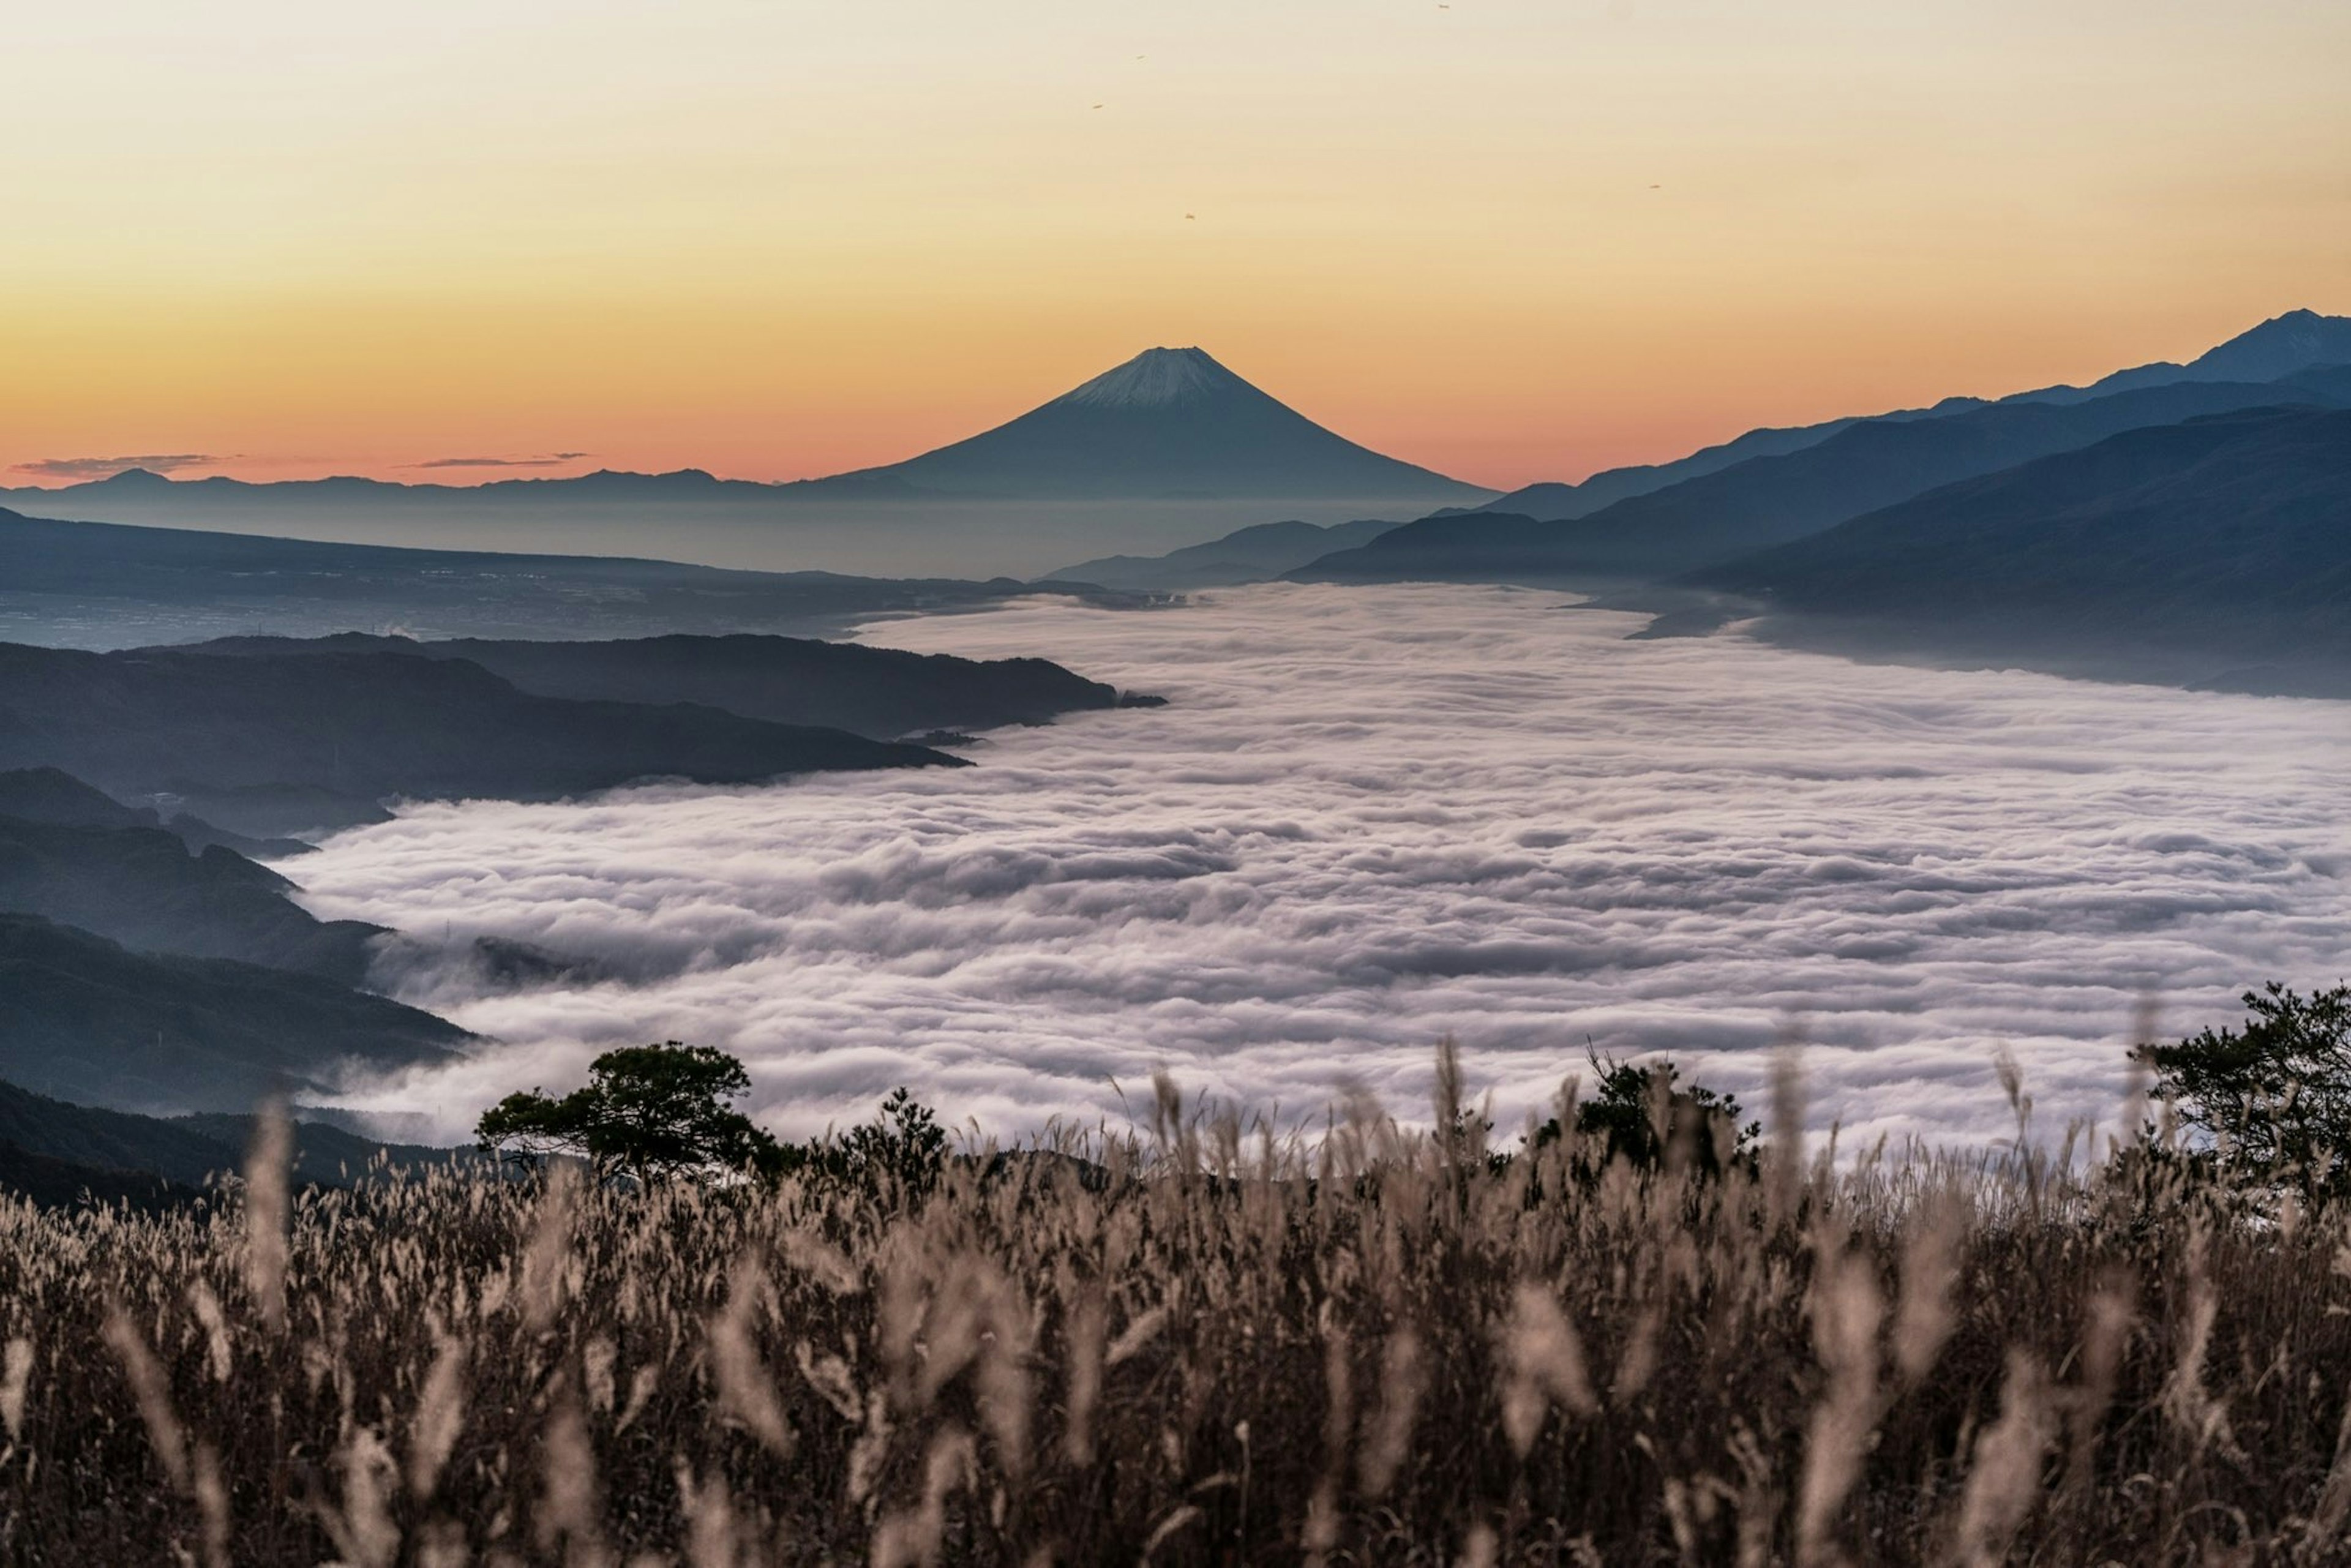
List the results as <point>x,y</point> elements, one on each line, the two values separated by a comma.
<point>84,468</point>
<point>548,460</point>
<point>1371,816</point>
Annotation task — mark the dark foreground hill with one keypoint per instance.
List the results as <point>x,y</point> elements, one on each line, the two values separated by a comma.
<point>85,1019</point>
<point>875,692</point>
<point>1770,500</point>
<point>277,744</point>
<point>2230,536</point>
<point>56,1153</point>
<point>49,1182</point>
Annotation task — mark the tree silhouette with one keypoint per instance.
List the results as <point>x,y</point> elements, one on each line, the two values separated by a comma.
<point>2274,1098</point>
<point>647,1112</point>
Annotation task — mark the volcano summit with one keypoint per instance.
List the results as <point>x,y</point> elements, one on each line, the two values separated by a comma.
<point>1169,422</point>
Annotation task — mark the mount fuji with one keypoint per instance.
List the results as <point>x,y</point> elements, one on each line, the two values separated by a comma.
<point>1169,424</point>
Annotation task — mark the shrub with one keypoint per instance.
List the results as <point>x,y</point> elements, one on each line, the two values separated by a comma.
<point>648,1113</point>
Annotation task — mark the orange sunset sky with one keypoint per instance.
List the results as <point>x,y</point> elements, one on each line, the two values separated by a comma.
<point>1508,240</point>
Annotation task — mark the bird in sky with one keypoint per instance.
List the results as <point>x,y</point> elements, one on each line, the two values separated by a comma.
<point>1098,106</point>
<point>1188,217</point>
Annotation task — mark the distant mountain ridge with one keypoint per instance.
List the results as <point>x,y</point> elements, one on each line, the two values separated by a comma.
<point>2276,349</point>
<point>1245,555</point>
<point>110,585</point>
<point>1167,423</point>
<point>1768,500</point>
<point>2230,536</point>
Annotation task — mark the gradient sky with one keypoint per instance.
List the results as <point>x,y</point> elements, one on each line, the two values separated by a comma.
<point>1512,239</point>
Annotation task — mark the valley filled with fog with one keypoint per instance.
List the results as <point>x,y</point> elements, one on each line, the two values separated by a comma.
<point>1371,816</point>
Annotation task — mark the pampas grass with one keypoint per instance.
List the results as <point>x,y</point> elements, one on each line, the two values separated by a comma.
<point>1216,1346</point>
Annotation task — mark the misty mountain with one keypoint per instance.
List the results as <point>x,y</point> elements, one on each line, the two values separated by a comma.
<point>1169,422</point>
<point>1247,555</point>
<point>2230,536</point>
<point>1556,501</point>
<point>86,1020</point>
<point>882,693</point>
<point>111,585</point>
<point>188,1150</point>
<point>1156,453</point>
<point>1769,500</point>
<point>281,744</point>
<point>50,795</point>
<point>141,887</point>
<point>2277,349</point>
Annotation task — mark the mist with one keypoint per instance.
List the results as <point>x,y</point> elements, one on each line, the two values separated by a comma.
<point>1370,817</point>
<point>891,539</point>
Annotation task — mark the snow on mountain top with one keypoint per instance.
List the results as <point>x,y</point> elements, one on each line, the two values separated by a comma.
<point>1155,378</point>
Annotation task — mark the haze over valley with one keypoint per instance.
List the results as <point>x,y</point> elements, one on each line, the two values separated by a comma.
<point>1256,811</point>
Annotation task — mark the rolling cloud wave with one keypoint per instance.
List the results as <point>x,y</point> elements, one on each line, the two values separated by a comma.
<point>1373,817</point>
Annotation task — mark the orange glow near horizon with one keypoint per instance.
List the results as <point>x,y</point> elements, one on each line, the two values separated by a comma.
<point>1511,239</point>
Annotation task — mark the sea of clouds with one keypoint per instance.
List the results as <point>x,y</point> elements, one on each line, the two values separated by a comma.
<point>1370,817</point>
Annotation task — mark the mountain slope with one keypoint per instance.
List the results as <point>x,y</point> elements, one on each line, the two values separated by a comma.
<point>85,1019</point>
<point>49,1182</point>
<point>876,692</point>
<point>1169,422</point>
<point>2270,351</point>
<point>2278,348</point>
<point>1245,555</point>
<point>139,886</point>
<point>2230,534</point>
<point>111,585</point>
<point>268,745</point>
<point>187,1151</point>
<point>1770,500</point>
<point>53,796</point>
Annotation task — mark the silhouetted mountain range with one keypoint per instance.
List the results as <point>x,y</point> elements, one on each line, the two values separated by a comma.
<point>283,744</point>
<point>86,1020</point>
<point>1768,500</point>
<point>53,1152</point>
<point>881,693</point>
<point>141,887</point>
<point>1247,555</point>
<point>1168,422</point>
<point>50,795</point>
<point>2278,348</point>
<point>2228,535</point>
<point>110,585</point>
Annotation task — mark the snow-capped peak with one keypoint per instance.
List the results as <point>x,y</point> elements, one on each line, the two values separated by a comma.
<point>1155,378</point>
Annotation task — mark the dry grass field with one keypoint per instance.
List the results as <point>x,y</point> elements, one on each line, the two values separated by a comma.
<point>1212,1347</point>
